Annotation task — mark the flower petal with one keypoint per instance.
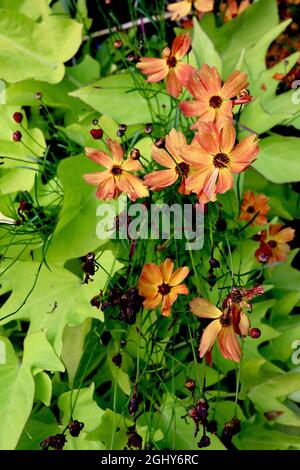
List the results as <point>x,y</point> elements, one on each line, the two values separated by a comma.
<point>166,268</point>
<point>168,301</point>
<point>98,156</point>
<point>204,309</point>
<point>227,137</point>
<point>132,186</point>
<point>244,325</point>
<point>181,289</point>
<point>160,179</point>
<point>96,178</point>
<point>236,82</point>
<point>225,181</point>
<point>131,165</point>
<point>181,45</point>
<point>209,336</point>
<point>154,302</point>
<point>174,86</point>
<point>116,150</point>
<point>229,345</point>
<point>179,275</point>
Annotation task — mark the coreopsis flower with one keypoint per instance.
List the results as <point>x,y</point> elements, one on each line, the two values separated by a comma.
<point>214,158</point>
<point>170,66</point>
<point>224,328</point>
<point>254,204</point>
<point>183,8</point>
<point>232,9</point>
<point>212,99</point>
<point>239,297</point>
<point>161,285</point>
<point>169,158</point>
<point>273,243</point>
<point>118,177</point>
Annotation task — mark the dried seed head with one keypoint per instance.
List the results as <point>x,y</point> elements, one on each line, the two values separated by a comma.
<point>134,440</point>
<point>214,263</point>
<point>204,442</point>
<point>122,127</point>
<point>75,427</point>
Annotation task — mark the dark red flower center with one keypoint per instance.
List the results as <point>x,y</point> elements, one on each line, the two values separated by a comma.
<point>272,244</point>
<point>221,160</point>
<point>164,289</point>
<point>116,170</point>
<point>236,296</point>
<point>171,61</point>
<point>183,169</point>
<point>251,209</point>
<point>225,319</point>
<point>215,102</point>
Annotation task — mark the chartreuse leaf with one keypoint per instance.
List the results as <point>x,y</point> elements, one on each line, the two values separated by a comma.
<point>76,231</point>
<point>31,8</point>
<point>278,159</point>
<point>269,396</point>
<point>116,94</point>
<point>39,426</point>
<point>59,297</point>
<point>43,388</point>
<point>203,50</point>
<point>20,162</point>
<point>30,49</point>
<point>84,409</point>
<point>39,354</point>
<point>261,436</point>
<point>245,30</point>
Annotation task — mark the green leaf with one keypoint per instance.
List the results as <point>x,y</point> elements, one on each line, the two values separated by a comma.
<point>258,436</point>
<point>73,346</point>
<point>43,388</point>
<point>203,49</point>
<point>39,354</point>
<point>84,407</point>
<point>268,396</point>
<point>16,399</point>
<point>278,159</point>
<point>34,50</point>
<point>31,8</point>
<point>116,94</point>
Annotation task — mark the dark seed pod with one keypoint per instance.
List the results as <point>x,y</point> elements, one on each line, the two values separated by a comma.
<point>123,343</point>
<point>160,142</point>
<point>17,136</point>
<point>255,333</point>
<point>135,154</point>
<point>38,95</point>
<point>95,122</point>
<point>97,134</point>
<point>148,128</point>
<point>75,427</point>
<point>212,426</point>
<point>190,385</point>
<point>134,440</point>
<point>204,442</point>
<point>118,44</point>
<point>18,117</point>
<point>117,360</point>
<point>214,263</point>
<point>122,127</point>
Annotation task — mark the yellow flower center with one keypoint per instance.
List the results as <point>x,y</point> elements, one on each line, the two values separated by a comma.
<point>221,160</point>
<point>215,102</point>
<point>164,289</point>
<point>171,61</point>
<point>116,170</point>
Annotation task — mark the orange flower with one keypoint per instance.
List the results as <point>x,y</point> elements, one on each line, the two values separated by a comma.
<point>177,168</point>
<point>117,177</point>
<point>232,9</point>
<point>183,8</point>
<point>162,285</point>
<point>212,100</point>
<point>169,66</point>
<point>214,158</point>
<point>273,243</point>
<point>224,328</point>
<point>253,204</point>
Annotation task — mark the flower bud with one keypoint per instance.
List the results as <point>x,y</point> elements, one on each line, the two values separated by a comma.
<point>17,136</point>
<point>190,385</point>
<point>135,154</point>
<point>97,134</point>
<point>160,142</point>
<point>204,442</point>
<point>255,333</point>
<point>18,117</point>
<point>118,44</point>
